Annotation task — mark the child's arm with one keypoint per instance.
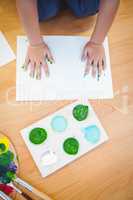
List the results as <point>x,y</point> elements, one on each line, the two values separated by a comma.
<point>29,17</point>
<point>107,12</point>
<point>37,50</point>
<point>94,51</point>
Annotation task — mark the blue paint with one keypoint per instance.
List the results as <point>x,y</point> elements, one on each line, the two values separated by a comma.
<point>92,134</point>
<point>59,123</point>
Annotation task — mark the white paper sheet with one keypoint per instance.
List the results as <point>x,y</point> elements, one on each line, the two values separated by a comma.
<point>55,140</point>
<point>6,53</point>
<point>66,79</point>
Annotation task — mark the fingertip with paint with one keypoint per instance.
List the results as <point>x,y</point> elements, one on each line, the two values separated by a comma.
<point>37,77</point>
<point>32,74</point>
<point>98,77</point>
<point>50,61</point>
<point>85,74</point>
<point>47,73</point>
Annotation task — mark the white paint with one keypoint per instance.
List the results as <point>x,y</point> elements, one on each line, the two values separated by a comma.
<point>48,158</point>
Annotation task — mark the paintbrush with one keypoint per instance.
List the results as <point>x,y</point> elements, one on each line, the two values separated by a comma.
<point>3,196</point>
<point>30,188</point>
<point>26,196</point>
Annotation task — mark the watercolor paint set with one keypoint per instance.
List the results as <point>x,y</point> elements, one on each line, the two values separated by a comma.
<point>63,136</point>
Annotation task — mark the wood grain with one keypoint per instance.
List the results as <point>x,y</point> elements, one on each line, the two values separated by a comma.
<point>107,172</point>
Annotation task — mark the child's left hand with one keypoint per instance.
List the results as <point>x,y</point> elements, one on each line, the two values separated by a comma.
<point>94,56</point>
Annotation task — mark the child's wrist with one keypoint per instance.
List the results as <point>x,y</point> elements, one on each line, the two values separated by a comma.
<point>37,45</point>
<point>36,41</point>
<point>97,40</point>
<point>95,43</point>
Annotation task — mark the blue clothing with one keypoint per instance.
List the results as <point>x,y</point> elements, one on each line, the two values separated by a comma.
<point>81,8</point>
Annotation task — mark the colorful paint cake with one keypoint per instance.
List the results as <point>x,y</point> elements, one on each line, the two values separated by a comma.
<point>92,133</point>
<point>71,146</point>
<point>38,135</point>
<point>8,167</point>
<point>80,112</point>
<point>59,123</point>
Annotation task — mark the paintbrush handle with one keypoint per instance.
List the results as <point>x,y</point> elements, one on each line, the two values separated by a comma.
<point>41,194</point>
<point>4,196</point>
<point>26,196</point>
<point>29,187</point>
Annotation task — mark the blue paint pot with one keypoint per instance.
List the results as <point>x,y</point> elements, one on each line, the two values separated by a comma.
<point>59,123</point>
<point>92,133</point>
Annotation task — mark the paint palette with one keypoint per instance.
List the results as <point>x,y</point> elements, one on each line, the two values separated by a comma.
<point>63,136</point>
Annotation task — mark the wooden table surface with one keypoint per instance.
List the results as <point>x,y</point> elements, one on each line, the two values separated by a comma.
<point>107,172</point>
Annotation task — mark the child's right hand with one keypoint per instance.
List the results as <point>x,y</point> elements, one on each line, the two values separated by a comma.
<point>36,58</point>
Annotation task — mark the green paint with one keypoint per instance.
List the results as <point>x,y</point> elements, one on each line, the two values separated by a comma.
<point>7,177</point>
<point>6,158</point>
<point>80,112</point>
<point>4,180</point>
<point>2,147</point>
<point>10,175</point>
<point>6,167</point>
<point>38,135</point>
<point>50,61</point>
<point>71,146</point>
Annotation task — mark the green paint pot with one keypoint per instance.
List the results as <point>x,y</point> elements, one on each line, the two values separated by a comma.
<point>71,146</point>
<point>38,135</point>
<point>80,112</point>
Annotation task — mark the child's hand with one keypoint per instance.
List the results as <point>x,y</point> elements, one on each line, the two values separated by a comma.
<point>94,55</point>
<point>37,57</point>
